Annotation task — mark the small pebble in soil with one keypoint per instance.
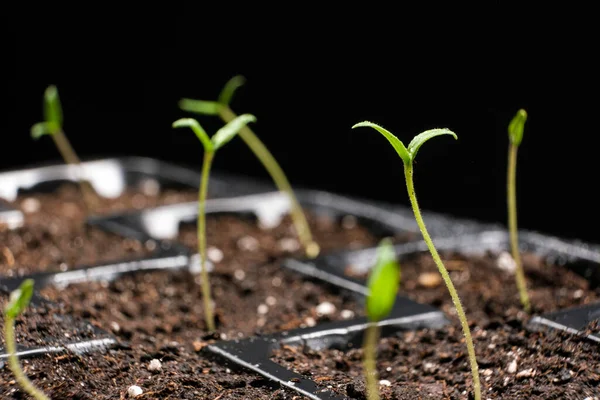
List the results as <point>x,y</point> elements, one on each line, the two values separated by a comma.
<point>276,281</point>
<point>512,367</point>
<point>134,391</point>
<point>30,205</point>
<point>271,301</point>
<point>239,274</point>
<point>262,309</point>
<point>214,254</point>
<point>385,382</point>
<point>248,243</point>
<point>347,314</point>
<point>429,280</point>
<point>288,244</point>
<point>505,262</point>
<point>325,308</point>
<point>526,373</point>
<point>155,365</point>
<point>310,321</point>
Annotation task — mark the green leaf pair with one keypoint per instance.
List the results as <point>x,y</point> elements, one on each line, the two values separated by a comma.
<point>223,135</point>
<point>19,299</point>
<point>212,107</point>
<point>407,154</point>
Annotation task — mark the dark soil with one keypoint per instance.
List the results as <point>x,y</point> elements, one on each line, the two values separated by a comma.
<point>155,308</point>
<point>54,236</point>
<point>160,314</point>
<point>237,237</point>
<point>47,324</point>
<point>433,365</point>
<point>184,373</point>
<point>56,244</point>
<point>253,293</point>
<point>67,202</point>
<point>104,376</point>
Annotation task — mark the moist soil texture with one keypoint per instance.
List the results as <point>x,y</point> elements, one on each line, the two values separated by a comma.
<point>159,314</point>
<point>514,363</point>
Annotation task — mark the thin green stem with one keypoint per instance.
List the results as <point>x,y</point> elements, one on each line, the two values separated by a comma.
<point>280,180</point>
<point>512,227</point>
<point>68,154</point>
<point>13,361</point>
<point>370,361</point>
<point>408,173</point>
<point>206,296</point>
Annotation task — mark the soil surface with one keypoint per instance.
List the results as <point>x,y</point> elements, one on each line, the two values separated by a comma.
<point>514,362</point>
<point>67,201</point>
<point>153,309</point>
<point>108,373</point>
<point>159,315</point>
<point>228,234</point>
<point>252,292</point>
<point>56,244</point>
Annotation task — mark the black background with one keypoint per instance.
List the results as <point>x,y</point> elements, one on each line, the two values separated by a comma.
<point>310,77</point>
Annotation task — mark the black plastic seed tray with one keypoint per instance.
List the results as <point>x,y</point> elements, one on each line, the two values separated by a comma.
<point>253,353</point>
<point>110,177</point>
<point>161,224</point>
<point>582,258</point>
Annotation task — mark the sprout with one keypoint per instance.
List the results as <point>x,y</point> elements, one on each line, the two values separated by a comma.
<point>211,145</point>
<point>222,109</point>
<point>383,286</point>
<point>515,135</point>
<point>18,302</point>
<point>53,126</point>
<point>408,154</point>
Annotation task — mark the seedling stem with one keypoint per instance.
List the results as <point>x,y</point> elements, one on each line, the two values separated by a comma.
<point>206,293</point>
<point>408,154</point>
<point>211,145</point>
<point>515,131</point>
<point>221,107</point>
<point>19,299</point>
<point>370,360</point>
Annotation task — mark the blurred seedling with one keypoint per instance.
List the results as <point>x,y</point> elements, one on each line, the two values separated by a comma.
<point>211,145</point>
<point>222,109</point>
<point>383,284</point>
<point>515,135</point>
<point>18,302</point>
<point>53,126</point>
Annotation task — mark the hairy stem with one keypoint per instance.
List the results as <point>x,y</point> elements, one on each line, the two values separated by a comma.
<point>408,173</point>
<point>206,296</point>
<point>280,180</point>
<point>370,361</point>
<point>13,361</point>
<point>512,227</point>
<point>68,154</point>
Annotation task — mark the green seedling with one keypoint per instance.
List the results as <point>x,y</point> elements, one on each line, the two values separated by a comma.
<point>383,284</point>
<point>408,154</point>
<point>18,302</point>
<point>515,135</point>
<point>53,126</point>
<point>211,145</point>
<point>222,109</point>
